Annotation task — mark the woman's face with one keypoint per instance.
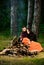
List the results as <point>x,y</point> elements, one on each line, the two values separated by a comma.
<point>24,29</point>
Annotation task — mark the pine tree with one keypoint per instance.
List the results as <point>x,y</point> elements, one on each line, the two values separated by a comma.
<point>14,7</point>
<point>30,13</point>
<point>36,19</point>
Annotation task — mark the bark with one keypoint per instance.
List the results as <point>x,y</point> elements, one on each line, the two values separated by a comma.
<point>14,7</point>
<point>36,20</point>
<point>30,13</point>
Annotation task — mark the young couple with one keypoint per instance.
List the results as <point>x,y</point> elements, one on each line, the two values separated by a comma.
<point>28,38</point>
<point>27,33</point>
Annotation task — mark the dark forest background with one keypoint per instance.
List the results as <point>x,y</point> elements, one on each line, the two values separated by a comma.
<point>5,16</point>
<point>13,16</point>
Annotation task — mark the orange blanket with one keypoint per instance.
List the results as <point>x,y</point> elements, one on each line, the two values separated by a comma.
<point>33,46</point>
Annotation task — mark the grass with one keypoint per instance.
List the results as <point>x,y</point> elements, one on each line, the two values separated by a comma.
<point>7,60</point>
<point>5,39</point>
<point>21,61</point>
<point>41,39</point>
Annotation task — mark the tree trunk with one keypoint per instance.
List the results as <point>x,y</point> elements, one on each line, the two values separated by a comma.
<point>36,20</point>
<point>14,7</point>
<point>18,16</point>
<point>30,13</point>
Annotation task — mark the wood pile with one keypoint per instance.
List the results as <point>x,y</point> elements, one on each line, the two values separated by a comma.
<point>16,49</point>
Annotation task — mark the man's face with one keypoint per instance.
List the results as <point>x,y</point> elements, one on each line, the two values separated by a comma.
<point>24,29</point>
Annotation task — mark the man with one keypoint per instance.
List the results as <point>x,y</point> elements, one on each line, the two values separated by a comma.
<point>31,35</point>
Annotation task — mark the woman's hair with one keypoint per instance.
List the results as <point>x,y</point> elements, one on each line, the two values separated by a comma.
<point>24,29</point>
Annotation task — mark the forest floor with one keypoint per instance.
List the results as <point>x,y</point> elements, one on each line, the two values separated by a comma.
<point>27,60</point>
<point>36,60</point>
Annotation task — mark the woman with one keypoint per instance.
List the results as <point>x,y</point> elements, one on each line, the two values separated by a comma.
<point>32,45</point>
<point>23,34</point>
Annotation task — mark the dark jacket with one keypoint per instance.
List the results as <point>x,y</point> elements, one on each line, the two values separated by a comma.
<point>32,36</point>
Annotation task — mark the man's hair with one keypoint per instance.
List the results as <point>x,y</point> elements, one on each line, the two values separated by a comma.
<point>29,29</point>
